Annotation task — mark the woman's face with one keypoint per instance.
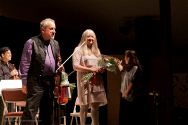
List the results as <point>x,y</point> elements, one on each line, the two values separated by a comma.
<point>126,60</point>
<point>90,38</point>
<point>7,56</point>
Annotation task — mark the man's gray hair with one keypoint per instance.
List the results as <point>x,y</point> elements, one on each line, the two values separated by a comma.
<point>45,22</point>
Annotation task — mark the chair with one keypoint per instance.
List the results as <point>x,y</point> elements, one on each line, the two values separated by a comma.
<point>76,114</point>
<point>12,96</point>
<point>64,114</point>
<point>21,104</point>
<point>63,99</point>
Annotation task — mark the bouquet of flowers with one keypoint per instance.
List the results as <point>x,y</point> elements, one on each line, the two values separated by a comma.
<point>106,62</point>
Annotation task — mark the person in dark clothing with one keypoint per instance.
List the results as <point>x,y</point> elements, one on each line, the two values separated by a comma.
<point>130,102</point>
<point>7,71</point>
<point>38,66</point>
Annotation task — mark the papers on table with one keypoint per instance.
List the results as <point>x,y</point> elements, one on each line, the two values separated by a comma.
<point>10,84</point>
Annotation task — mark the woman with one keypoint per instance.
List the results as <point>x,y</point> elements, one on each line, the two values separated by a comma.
<point>130,89</point>
<point>91,93</point>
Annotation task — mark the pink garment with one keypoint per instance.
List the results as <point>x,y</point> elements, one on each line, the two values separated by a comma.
<point>87,92</point>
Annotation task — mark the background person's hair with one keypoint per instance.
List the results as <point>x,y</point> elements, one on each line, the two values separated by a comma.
<point>133,59</point>
<point>3,50</point>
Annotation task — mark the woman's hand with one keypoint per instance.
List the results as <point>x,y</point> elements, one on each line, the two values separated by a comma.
<point>102,70</point>
<point>94,69</point>
<point>126,93</point>
<point>118,62</point>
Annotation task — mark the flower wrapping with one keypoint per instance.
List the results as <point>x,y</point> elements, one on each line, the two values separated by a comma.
<point>106,62</point>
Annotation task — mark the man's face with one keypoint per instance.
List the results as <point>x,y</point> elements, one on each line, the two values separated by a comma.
<point>49,31</point>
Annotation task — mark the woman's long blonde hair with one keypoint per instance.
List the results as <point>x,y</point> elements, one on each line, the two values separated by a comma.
<point>84,49</point>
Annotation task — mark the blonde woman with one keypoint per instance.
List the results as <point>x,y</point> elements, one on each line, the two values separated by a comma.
<point>91,93</point>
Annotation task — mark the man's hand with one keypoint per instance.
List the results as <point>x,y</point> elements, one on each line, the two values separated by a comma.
<point>60,69</point>
<point>24,89</point>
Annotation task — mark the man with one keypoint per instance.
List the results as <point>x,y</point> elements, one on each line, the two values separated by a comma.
<point>38,65</point>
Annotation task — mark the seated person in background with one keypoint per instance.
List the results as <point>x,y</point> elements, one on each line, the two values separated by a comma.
<point>7,71</point>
